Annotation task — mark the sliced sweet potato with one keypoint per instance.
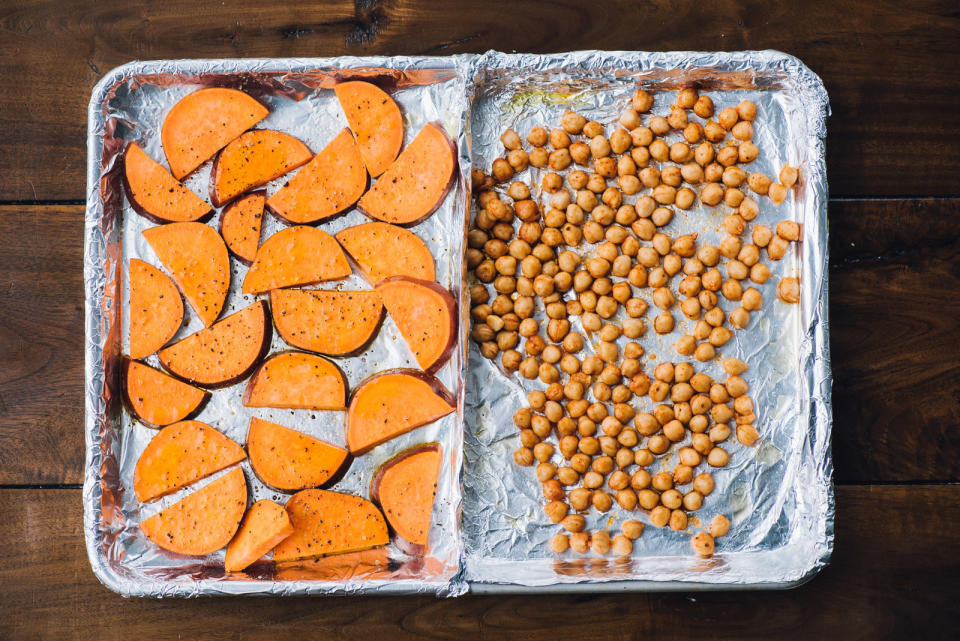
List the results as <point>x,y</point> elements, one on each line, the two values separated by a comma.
<point>223,354</point>
<point>265,524</point>
<point>330,322</point>
<point>254,159</point>
<point>296,256</point>
<point>203,122</point>
<point>297,381</point>
<point>326,523</point>
<point>381,250</point>
<point>326,186</point>
<point>404,487</point>
<point>199,263</point>
<point>287,460</point>
<point>203,522</point>
<point>155,194</point>
<point>375,120</point>
<point>157,399</point>
<point>392,403</point>
<point>240,225</point>
<point>156,311</point>
<point>416,183</point>
<point>426,315</point>
<point>179,455</point>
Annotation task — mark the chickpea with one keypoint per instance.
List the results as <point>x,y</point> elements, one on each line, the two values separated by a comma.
<point>740,318</point>
<point>677,118</point>
<point>748,209</point>
<point>704,352</point>
<point>719,526</point>
<point>602,502</point>
<point>659,150</point>
<point>559,159</point>
<point>519,160</point>
<point>703,545</point>
<point>711,194</point>
<point>752,300</point>
<point>732,197</point>
<point>659,516</point>
<point>600,542</point>
<point>713,132</point>
<point>759,183</point>
<point>788,230</point>
<point>692,501</point>
<point>546,471</point>
<point>748,151</point>
<point>743,130</point>
<point>523,456</point>
<point>777,248</point>
<point>678,520</point>
<point>559,543</point>
<point>662,215</point>
<point>727,118</point>
<point>789,176</point>
<point>777,193</point>
<point>718,457</point>
<point>713,172</point>
<point>573,523</point>
<point>556,511</point>
<point>728,156</point>
<point>747,434</point>
<point>501,170</point>
<point>580,542</point>
<point>788,290</point>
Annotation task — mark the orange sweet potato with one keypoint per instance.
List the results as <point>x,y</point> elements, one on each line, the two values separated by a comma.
<point>288,460</point>
<point>296,256</point>
<point>414,186</point>
<point>297,381</point>
<point>240,225</point>
<point>203,522</point>
<point>157,399</point>
<point>326,523</point>
<point>330,322</point>
<point>254,159</point>
<point>375,120</point>
<point>179,455</point>
<point>156,310</point>
<point>404,487</point>
<point>198,261</point>
<point>392,403</point>
<point>328,185</point>
<point>265,525</point>
<point>155,194</point>
<point>381,250</point>
<point>203,122</point>
<point>426,315</point>
<point>223,354</point>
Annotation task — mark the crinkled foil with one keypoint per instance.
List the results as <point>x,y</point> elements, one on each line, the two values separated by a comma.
<point>778,494</point>
<point>128,105</point>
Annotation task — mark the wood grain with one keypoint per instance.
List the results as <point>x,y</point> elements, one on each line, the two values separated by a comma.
<point>892,69</point>
<point>892,576</point>
<point>896,386</point>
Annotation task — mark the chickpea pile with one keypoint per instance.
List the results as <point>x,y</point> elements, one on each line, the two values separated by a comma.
<point>595,431</point>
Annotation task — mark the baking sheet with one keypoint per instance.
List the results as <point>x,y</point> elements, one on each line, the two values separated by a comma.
<point>778,494</point>
<point>129,106</point>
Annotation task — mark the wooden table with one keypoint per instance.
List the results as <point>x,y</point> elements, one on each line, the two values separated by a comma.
<point>893,73</point>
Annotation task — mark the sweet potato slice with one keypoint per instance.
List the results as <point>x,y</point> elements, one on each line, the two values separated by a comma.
<point>203,122</point>
<point>426,315</point>
<point>392,403</point>
<point>179,455</point>
<point>202,522</point>
<point>326,186</point>
<point>287,460</point>
<point>381,250</point>
<point>254,159</point>
<point>404,487</point>
<point>375,120</point>
<point>157,399</point>
<point>155,194</point>
<point>326,523</point>
<point>199,263</point>
<point>416,183</point>
<point>330,322</point>
<point>265,525</point>
<point>296,256</point>
<point>240,225</point>
<point>156,311</point>
<point>223,354</point>
<point>297,381</point>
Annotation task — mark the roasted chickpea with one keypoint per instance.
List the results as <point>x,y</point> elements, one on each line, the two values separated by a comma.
<point>743,130</point>
<point>747,434</point>
<point>788,230</point>
<point>559,543</point>
<point>718,457</point>
<point>559,159</point>
<point>759,183</point>
<point>704,352</point>
<point>740,318</point>
<point>677,118</point>
<point>719,526</point>
<point>702,544</point>
<point>789,176</point>
<point>659,150</point>
<point>788,290</point>
<point>523,456</point>
<point>727,118</point>
<point>711,194</point>
<point>501,170</point>
<point>574,523</point>
<point>727,156</point>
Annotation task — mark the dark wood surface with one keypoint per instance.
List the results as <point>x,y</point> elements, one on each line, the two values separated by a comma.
<point>893,73</point>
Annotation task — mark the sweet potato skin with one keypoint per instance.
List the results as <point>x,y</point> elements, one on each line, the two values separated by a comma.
<point>296,246</point>
<point>166,355</point>
<point>225,114</point>
<point>126,367</point>
<point>315,330</point>
<point>375,120</point>
<point>155,308</point>
<point>313,361</point>
<point>265,524</point>
<point>200,211</point>
<point>327,523</point>
<point>374,204</point>
<point>414,545</point>
<point>430,360</point>
<point>263,142</point>
<point>358,446</point>
<point>289,460</point>
<point>239,247</point>
<point>181,454</point>
<point>202,522</point>
<point>371,245</point>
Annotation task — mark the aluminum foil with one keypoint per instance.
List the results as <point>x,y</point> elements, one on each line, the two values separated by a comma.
<point>778,494</point>
<point>128,105</point>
